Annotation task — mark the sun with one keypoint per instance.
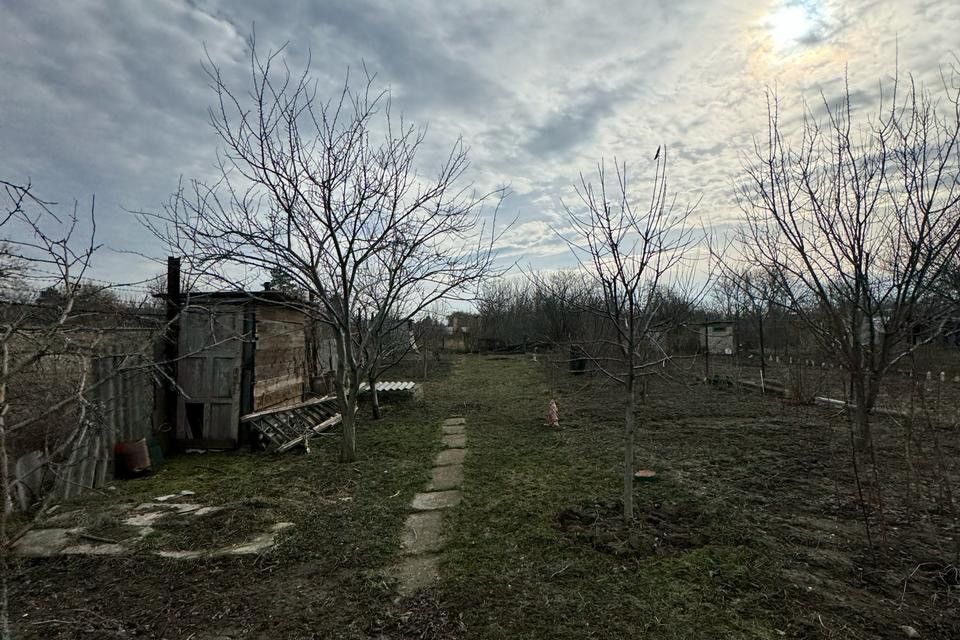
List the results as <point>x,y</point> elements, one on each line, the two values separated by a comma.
<point>793,23</point>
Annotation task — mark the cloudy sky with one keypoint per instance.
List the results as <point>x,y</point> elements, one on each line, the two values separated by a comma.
<point>109,98</point>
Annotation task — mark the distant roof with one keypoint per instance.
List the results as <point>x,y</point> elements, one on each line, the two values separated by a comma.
<point>239,297</point>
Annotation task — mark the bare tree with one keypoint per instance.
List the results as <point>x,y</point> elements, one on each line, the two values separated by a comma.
<point>629,248</point>
<point>329,193</point>
<point>856,225</point>
<point>38,243</point>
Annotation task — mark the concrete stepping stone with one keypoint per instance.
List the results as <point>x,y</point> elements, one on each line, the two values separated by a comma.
<point>436,500</point>
<point>107,549</point>
<point>44,542</point>
<point>423,530</point>
<point>422,533</point>
<point>144,519</point>
<point>182,555</point>
<point>415,573</point>
<point>448,477</point>
<point>450,456</point>
<point>455,441</point>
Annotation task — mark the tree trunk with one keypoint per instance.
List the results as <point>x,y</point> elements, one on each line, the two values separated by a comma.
<point>7,498</point>
<point>706,351</point>
<point>347,386</point>
<point>862,405</point>
<point>374,398</point>
<point>628,449</point>
<point>348,442</point>
<point>763,351</point>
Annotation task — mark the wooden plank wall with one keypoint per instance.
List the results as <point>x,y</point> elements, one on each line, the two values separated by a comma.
<point>280,357</point>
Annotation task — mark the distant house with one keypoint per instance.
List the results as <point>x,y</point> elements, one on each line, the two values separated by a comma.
<point>718,336</point>
<point>461,330</point>
<point>462,322</point>
<point>238,352</point>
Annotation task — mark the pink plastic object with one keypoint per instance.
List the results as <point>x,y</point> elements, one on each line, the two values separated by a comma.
<point>553,416</point>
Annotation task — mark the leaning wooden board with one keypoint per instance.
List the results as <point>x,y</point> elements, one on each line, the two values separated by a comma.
<point>285,427</point>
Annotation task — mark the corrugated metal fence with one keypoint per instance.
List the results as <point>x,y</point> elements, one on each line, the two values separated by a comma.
<point>119,406</point>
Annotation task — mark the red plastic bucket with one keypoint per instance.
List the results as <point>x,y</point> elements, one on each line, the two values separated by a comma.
<point>132,457</point>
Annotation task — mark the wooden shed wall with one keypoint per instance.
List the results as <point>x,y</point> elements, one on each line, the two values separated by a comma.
<point>280,357</point>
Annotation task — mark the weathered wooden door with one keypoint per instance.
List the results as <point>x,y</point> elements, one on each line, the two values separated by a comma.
<point>208,372</point>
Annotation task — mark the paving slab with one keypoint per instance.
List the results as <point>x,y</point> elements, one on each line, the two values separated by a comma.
<point>448,477</point>
<point>455,441</point>
<point>261,544</point>
<point>144,519</point>
<point>44,542</point>
<point>182,555</point>
<point>108,549</point>
<point>450,456</point>
<point>450,422</point>
<point>415,573</point>
<point>436,500</point>
<point>454,429</point>
<point>422,533</point>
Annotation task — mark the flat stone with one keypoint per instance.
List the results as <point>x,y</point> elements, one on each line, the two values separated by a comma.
<point>181,555</point>
<point>44,542</point>
<point>174,496</point>
<point>263,542</point>
<point>422,533</point>
<point>188,508</point>
<point>454,429</point>
<point>144,519</point>
<point>415,573</point>
<point>436,500</point>
<point>450,456</point>
<point>448,477</point>
<point>455,441</point>
<point>449,422</point>
<point>94,550</point>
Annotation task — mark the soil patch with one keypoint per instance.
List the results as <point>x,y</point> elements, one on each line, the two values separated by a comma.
<point>660,528</point>
<point>423,617</point>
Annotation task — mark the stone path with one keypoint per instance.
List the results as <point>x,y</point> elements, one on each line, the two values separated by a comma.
<point>47,541</point>
<point>423,531</point>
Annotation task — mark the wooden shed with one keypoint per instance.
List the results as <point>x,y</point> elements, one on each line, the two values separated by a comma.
<point>237,353</point>
<point>718,336</point>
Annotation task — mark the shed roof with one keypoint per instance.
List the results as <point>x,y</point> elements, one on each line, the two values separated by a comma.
<point>269,296</point>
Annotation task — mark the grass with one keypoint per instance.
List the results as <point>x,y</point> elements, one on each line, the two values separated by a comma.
<point>755,494</point>
<point>512,572</point>
<point>323,580</point>
<point>752,529</point>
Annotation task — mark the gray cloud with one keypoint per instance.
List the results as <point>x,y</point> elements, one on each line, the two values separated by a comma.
<point>110,98</point>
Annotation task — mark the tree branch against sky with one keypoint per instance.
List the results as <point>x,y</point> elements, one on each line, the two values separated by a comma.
<point>854,221</point>
<point>330,193</point>
<point>632,247</point>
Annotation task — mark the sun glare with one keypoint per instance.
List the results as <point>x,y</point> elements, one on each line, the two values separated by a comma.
<point>791,24</point>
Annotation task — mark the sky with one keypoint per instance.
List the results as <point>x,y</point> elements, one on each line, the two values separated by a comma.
<point>110,98</point>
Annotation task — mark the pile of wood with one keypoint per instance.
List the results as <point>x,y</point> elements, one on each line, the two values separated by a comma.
<point>284,428</point>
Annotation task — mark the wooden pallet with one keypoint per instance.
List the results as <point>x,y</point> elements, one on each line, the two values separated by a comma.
<point>284,428</point>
